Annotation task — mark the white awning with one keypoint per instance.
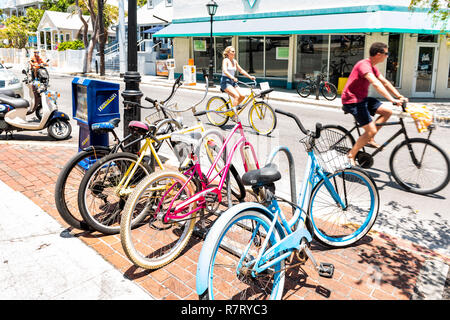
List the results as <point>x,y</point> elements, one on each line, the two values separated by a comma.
<point>378,21</point>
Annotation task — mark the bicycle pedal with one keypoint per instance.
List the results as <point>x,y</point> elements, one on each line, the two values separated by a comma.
<point>326,270</point>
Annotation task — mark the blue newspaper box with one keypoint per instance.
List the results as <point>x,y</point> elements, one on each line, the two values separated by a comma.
<point>93,101</point>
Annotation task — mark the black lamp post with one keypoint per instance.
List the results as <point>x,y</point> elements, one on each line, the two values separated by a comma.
<point>212,9</point>
<point>132,94</point>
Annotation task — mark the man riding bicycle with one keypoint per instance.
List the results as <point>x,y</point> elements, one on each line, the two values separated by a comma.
<point>355,98</point>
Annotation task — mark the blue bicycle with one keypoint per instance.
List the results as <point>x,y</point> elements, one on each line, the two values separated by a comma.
<point>251,245</point>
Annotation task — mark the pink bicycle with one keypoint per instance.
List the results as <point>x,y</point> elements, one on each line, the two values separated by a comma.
<point>173,199</point>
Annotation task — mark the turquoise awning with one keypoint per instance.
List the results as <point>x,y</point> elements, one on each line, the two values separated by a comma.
<point>331,21</point>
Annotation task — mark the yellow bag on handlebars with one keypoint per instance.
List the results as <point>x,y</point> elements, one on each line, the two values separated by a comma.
<point>421,115</point>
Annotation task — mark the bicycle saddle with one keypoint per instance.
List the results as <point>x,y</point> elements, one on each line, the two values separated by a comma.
<point>104,127</point>
<point>140,127</point>
<point>261,177</point>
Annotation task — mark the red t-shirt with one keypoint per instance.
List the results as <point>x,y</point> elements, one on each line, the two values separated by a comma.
<point>357,87</point>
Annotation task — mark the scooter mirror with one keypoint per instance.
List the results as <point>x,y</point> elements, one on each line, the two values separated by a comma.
<point>23,71</point>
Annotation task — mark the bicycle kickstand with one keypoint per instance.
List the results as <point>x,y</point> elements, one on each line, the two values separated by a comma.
<point>324,269</point>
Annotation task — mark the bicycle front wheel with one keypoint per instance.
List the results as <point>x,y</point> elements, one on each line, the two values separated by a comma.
<point>160,237</point>
<point>304,88</point>
<point>101,199</point>
<point>262,118</point>
<point>68,183</point>
<point>339,226</point>
<point>217,104</point>
<point>329,91</point>
<point>230,247</point>
<point>420,166</point>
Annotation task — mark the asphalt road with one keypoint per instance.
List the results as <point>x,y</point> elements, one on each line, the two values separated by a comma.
<point>424,220</point>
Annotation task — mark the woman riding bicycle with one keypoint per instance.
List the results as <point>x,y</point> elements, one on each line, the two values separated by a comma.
<point>356,101</point>
<point>228,81</point>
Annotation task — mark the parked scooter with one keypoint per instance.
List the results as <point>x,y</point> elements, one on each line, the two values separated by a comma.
<point>13,112</point>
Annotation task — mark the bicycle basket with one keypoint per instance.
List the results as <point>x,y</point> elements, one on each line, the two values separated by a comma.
<point>421,115</point>
<point>331,150</point>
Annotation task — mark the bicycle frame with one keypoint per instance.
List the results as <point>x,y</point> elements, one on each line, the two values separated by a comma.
<point>208,178</point>
<point>293,239</point>
<point>123,184</point>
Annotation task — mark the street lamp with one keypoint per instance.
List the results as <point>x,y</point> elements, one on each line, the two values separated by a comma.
<point>132,94</point>
<point>212,9</point>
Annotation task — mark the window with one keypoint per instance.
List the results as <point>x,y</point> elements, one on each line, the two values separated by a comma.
<point>345,52</point>
<point>427,38</point>
<point>221,43</point>
<point>169,3</point>
<point>201,53</point>
<point>251,55</point>
<point>312,55</point>
<point>394,60</point>
<point>277,56</point>
<point>150,4</point>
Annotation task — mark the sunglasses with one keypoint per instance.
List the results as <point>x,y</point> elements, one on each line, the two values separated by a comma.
<point>385,53</point>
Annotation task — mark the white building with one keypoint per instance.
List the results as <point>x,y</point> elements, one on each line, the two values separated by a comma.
<point>283,41</point>
<point>19,7</point>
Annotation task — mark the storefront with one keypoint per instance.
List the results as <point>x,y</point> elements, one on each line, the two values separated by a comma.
<point>282,47</point>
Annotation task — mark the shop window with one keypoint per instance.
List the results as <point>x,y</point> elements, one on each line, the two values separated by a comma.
<point>220,44</point>
<point>277,56</point>
<point>201,53</point>
<point>345,52</point>
<point>312,55</point>
<point>251,55</point>
<point>393,66</point>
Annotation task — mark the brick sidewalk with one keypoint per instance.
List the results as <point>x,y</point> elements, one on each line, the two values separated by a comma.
<point>379,268</point>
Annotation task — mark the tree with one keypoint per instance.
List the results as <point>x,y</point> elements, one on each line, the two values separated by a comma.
<point>16,31</point>
<point>34,16</point>
<point>438,9</point>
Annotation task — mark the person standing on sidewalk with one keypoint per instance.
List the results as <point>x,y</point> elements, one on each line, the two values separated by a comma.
<point>228,81</point>
<point>355,98</point>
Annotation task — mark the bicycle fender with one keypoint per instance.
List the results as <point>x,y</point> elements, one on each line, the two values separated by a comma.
<point>214,233</point>
<point>90,148</point>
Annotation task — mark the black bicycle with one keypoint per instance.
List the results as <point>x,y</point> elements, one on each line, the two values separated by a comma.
<point>309,86</point>
<point>418,165</point>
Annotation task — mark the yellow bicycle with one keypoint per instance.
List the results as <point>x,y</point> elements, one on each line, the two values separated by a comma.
<point>261,116</point>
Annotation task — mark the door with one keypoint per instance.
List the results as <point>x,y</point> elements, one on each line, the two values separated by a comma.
<point>425,72</point>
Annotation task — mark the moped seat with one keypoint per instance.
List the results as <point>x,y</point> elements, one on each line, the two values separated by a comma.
<point>15,102</point>
<point>263,176</point>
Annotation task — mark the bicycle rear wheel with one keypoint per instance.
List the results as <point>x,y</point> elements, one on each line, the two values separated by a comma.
<point>338,227</point>
<point>329,91</point>
<point>68,182</point>
<point>231,244</point>
<point>155,242</point>
<point>304,88</point>
<point>218,104</point>
<point>262,118</point>
<point>99,200</point>
<point>428,173</point>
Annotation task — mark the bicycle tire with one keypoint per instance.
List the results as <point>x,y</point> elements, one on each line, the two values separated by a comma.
<point>439,175</point>
<point>224,238</point>
<point>304,88</point>
<point>364,205</point>
<point>341,130</point>
<point>146,244</point>
<point>222,104</point>
<point>106,217</point>
<point>330,92</point>
<point>67,210</point>
<point>264,110</point>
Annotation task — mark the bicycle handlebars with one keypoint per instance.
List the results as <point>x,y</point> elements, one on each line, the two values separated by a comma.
<point>315,134</point>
